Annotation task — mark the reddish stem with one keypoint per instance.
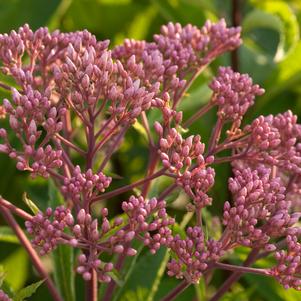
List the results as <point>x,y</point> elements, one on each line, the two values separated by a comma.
<point>176,291</point>
<point>126,188</point>
<point>197,115</point>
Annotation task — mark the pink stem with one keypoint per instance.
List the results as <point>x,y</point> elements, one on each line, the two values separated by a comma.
<point>176,291</point>
<point>123,189</point>
<point>241,269</point>
<point>197,115</point>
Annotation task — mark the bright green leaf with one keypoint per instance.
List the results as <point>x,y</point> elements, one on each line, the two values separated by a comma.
<point>276,15</point>
<point>142,280</point>
<point>28,291</point>
<point>30,204</point>
<point>7,235</point>
<point>19,259</point>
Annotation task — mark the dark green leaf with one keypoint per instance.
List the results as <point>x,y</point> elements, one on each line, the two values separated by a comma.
<point>63,257</point>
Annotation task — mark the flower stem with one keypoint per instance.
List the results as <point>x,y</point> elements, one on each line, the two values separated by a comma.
<point>91,287</point>
<point>197,115</point>
<point>14,209</point>
<point>176,291</point>
<point>123,189</point>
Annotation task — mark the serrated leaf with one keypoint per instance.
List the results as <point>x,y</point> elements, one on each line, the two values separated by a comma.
<point>30,204</point>
<point>28,291</point>
<point>7,235</point>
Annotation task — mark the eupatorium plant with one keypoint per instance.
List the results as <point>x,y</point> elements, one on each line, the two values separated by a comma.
<point>72,102</point>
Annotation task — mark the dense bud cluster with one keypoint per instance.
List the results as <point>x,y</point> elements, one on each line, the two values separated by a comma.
<point>47,228</point>
<point>184,158</point>
<point>288,266</point>
<point>150,218</point>
<point>233,93</point>
<point>193,254</point>
<point>260,210</point>
<point>72,103</point>
<point>83,186</point>
<point>275,140</point>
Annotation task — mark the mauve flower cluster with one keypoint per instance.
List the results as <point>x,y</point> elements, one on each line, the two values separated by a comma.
<point>82,187</point>
<point>155,231</point>
<point>233,93</point>
<point>184,158</point>
<point>260,210</point>
<point>193,254</point>
<point>4,297</point>
<point>47,228</point>
<point>289,264</point>
<point>275,141</point>
<point>74,100</point>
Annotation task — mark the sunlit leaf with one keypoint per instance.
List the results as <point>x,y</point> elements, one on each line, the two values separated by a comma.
<point>30,204</point>
<point>276,15</point>
<point>27,292</point>
<point>18,259</point>
<point>7,235</point>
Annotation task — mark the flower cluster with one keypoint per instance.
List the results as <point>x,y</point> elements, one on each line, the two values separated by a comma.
<point>193,254</point>
<point>275,140</point>
<point>289,264</point>
<point>47,229</point>
<point>260,210</point>
<point>178,156</point>
<point>71,105</point>
<point>4,297</point>
<point>84,186</point>
<point>233,93</point>
<point>150,218</point>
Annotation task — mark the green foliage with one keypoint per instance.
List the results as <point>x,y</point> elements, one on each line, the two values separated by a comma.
<point>7,235</point>
<point>16,268</point>
<point>27,291</point>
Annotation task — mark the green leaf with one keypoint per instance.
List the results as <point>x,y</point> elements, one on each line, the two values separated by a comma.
<point>15,13</point>
<point>140,129</point>
<point>55,197</point>
<point>7,235</point>
<point>142,280</point>
<point>160,272</point>
<point>63,257</point>
<point>18,259</point>
<point>28,291</point>
<point>30,204</point>
<point>128,269</point>
<point>276,15</point>
<point>286,75</point>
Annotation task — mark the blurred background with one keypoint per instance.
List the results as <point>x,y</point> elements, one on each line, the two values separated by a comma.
<point>271,54</point>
